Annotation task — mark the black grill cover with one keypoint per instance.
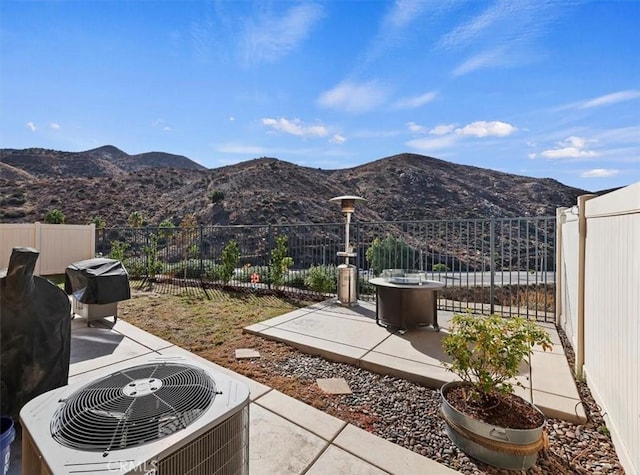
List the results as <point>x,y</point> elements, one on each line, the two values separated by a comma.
<point>35,333</point>
<point>97,281</point>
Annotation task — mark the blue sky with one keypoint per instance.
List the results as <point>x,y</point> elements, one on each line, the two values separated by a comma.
<point>538,88</point>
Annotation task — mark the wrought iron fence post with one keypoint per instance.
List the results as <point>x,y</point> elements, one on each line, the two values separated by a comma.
<point>145,251</point>
<point>200,249</point>
<point>492,263</point>
<point>358,263</point>
<point>269,249</point>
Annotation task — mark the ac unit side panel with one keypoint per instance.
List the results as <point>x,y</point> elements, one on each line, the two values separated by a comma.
<point>228,407</point>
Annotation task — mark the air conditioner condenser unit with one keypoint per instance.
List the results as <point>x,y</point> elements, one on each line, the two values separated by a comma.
<point>165,416</point>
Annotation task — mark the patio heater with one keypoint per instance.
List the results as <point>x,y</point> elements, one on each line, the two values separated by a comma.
<point>347,277</point>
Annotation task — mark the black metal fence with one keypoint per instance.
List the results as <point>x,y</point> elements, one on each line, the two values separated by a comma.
<point>505,266</point>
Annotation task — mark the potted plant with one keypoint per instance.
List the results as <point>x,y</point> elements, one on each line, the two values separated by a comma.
<point>483,417</point>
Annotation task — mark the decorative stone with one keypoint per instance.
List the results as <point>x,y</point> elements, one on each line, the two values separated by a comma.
<point>334,385</point>
<point>247,354</point>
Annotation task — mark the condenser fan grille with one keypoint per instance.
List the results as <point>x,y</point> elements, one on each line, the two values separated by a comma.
<point>133,407</point>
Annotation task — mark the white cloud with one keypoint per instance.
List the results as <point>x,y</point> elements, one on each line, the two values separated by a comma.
<point>602,101</point>
<point>353,97</point>
<point>403,13</point>
<point>32,126</point>
<point>416,101</point>
<point>338,139</point>
<point>470,31</point>
<point>428,144</point>
<point>448,135</point>
<point>577,142</point>
<point>483,128</point>
<point>54,125</point>
<point>161,124</point>
<point>571,147</point>
<point>241,149</point>
<point>502,34</point>
<point>271,37</point>
<point>608,99</point>
<point>442,129</point>
<point>416,128</point>
<point>232,118</point>
<point>489,58</point>
<point>600,173</point>
<point>568,152</point>
<point>532,155</point>
<point>295,127</point>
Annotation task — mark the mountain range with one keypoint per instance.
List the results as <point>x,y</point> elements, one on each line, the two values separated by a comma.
<point>112,184</point>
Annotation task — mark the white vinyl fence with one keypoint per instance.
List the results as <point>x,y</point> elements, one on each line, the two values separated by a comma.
<point>599,307</point>
<point>59,244</point>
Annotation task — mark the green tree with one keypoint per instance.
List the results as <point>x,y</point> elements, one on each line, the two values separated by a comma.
<point>117,250</point>
<point>230,258</point>
<point>99,222</point>
<point>322,279</point>
<point>389,253</point>
<point>54,216</point>
<point>151,262</point>
<point>216,196</point>
<point>188,238</point>
<point>280,261</point>
<point>165,231</point>
<point>135,219</point>
<point>440,267</point>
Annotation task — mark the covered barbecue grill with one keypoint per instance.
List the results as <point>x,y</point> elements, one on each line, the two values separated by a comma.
<point>97,285</point>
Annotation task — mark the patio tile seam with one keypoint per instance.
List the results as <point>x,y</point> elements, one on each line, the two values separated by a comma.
<point>333,443</point>
<point>404,359</point>
<point>326,444</point>
<point>116,362</point>
<point>112,327</point>
<point>373,349</point>
<point>577,398</point>
<point>310,336</point>
<point>302,314</point>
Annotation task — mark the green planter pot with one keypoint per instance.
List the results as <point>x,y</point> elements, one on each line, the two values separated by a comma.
<point>513,449</point>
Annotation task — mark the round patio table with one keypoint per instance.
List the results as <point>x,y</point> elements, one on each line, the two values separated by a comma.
<point>406,305</point>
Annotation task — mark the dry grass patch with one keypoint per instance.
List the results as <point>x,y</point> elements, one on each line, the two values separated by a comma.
<point>213,329</point>
<point>198,324</point>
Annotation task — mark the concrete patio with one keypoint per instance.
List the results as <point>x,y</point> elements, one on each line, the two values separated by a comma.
<point>290,437</point>
<point>286,435</point>
<point>351,335</point>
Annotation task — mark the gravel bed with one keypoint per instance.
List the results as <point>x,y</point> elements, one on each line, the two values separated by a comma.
<point>407,414</point>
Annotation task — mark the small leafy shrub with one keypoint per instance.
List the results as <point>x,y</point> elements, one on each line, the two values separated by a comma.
<point>486,352</point>
<point>135,269</point>
<point>230,258</point>
<point>389,253</point>
<point>118,249</point>
<point>279,261</point>
<point>55,216</point>
<point>365,288</point>
<point>440,267</point>
<point>99,222</point>
<point>216,196</point>
<point>135,219</point>
<point>322,279</point>
<point>151,262</point>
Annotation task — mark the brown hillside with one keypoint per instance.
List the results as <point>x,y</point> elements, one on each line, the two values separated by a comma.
<point>109,183</point>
